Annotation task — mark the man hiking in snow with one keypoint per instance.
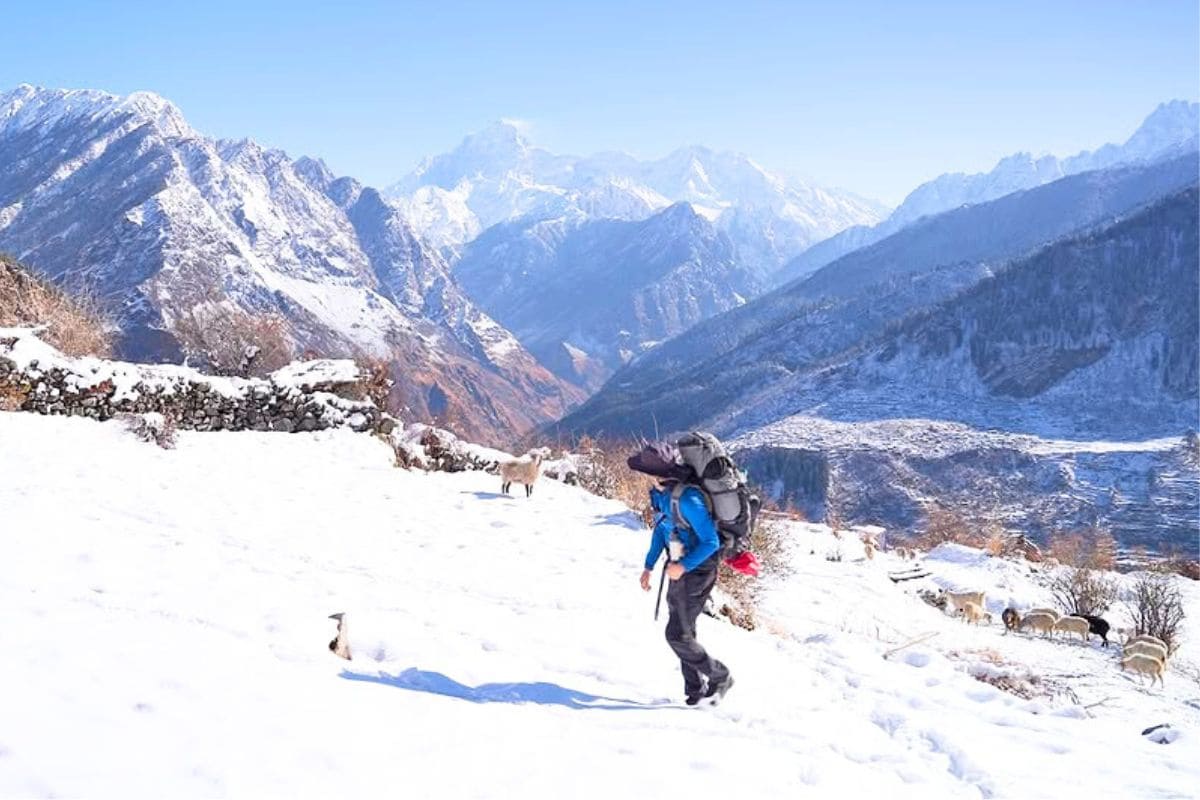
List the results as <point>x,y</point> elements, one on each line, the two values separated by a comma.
<point>688,534</point>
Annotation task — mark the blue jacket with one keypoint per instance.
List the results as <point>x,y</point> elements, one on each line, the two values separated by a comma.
<point>700,541</point>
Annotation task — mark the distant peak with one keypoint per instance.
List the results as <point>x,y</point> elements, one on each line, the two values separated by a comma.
<point>31,105</point>
<point>500,133</point>
<point>315,171</point>
<point>1174,114</point>
<point>680,213</point>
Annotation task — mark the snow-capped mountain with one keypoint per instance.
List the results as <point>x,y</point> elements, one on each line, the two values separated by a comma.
<point>1092,335</point>
<point>771,345</point>
<point>586,295</point>
<point>1170,130</point>
<point>497,176</point>
<point>119,194</point>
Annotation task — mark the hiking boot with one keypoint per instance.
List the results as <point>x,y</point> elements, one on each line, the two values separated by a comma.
<point>693,699</point>
<point>716,691</point>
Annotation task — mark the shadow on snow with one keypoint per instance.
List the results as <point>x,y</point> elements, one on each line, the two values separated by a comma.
<point>546,694</point>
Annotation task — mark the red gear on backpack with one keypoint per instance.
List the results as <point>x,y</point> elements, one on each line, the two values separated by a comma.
<point>744,562</point>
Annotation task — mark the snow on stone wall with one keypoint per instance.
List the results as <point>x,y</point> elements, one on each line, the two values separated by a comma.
<point>304,396</point>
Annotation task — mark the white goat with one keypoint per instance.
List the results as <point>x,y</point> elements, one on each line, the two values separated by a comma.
<point>1145,637</point>
<point>1039,622</point>
<point>973,613</point>
<point>1050,612</point>
<point>525,470</point>
<point>1073,625</point>
<point>956,600</point>
<point>1146,665</point>
<point>1147,649</point>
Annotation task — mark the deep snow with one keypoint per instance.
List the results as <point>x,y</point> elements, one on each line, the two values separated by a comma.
<point>166,629</point>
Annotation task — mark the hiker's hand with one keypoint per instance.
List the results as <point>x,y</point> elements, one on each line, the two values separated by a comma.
<point>675,571</point>
<point>645,581</point>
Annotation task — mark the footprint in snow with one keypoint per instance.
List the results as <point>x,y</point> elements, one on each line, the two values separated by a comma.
<point>915,658</point>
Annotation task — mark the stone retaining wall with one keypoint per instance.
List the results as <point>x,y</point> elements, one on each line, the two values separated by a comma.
<point>303,397</point>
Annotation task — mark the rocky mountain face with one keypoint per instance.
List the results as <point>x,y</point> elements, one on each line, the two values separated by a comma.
<point>497,176</point>
<point>1091,337</point>
<point>1170,131</point>
<point>119,195</point>
<point>775,343</point>
<point>587,295</point>
<point>890,472</point>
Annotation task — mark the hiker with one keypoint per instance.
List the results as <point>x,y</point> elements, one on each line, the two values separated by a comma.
<point>693,549</point>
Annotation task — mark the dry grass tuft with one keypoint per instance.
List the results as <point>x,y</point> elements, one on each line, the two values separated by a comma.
<point>73,322</point>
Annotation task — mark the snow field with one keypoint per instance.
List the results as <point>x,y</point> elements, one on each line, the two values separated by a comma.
<point>167,628</point>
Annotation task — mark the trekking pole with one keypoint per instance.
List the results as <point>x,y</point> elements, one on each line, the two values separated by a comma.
<point>661,580</point>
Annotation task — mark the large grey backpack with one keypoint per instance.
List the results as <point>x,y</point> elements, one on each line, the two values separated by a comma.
<point>723,485</point>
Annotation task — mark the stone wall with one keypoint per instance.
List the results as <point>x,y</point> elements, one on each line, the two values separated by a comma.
<point>306,396</point>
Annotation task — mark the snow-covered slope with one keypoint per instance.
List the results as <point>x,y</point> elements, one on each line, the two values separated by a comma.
<point>119,195</point>
<point>1171,130</point>
<point>497,175</point>
<point>167,636</point>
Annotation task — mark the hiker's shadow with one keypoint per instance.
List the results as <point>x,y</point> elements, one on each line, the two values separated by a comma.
<point>546,694</point>
<point>626,519</point>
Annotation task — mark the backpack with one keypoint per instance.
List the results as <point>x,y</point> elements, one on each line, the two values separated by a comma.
<point>733,506</point>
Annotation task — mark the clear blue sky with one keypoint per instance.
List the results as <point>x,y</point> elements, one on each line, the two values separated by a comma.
<point>875,97</point>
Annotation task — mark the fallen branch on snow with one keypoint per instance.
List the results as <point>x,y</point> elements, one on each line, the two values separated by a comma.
<point>910,643</point>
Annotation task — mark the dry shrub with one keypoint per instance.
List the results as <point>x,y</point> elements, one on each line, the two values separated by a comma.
<point>153,428</point>
<point>995,543</point>
<point>1090,548</point>
<point>1026,686</point>
<point>1080,590</point>
<point>73,321</point>
<point>228,341</point>
<point>1180,561</point>
<point>943,525</point>
<point>603,472</point>
<point>1187,568</point>
<point>376,381</point>
<point>12,397</point>
<point>1156,607</point>
<point>769,545</point>
<point>785,510</point>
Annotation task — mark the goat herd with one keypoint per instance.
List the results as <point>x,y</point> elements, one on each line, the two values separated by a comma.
<point>1143,654</point>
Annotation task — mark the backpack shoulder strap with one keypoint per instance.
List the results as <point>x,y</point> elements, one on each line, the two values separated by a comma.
<point>677,493</point>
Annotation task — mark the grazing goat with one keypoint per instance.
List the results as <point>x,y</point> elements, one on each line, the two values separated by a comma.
<point>957,599</point>
<point>1145,637</point>
<point>1098,626</point>
<point>973,613</point>
<point>1146,665</point>
<point>1050,612</point>
<point>1146,649</point>
<point>523,470</point>
<point>1073,625</point>
<point>1012,618</point>
<point>1039,622</point>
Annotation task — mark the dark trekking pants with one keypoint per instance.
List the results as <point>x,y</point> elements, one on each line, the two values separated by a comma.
<point>685,599</point>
